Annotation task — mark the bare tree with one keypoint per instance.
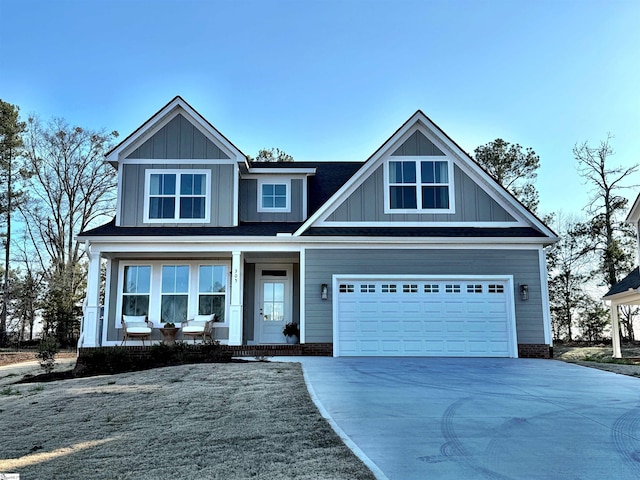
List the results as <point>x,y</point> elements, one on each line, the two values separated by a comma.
<point>608,235</point>
<point>72,187</point>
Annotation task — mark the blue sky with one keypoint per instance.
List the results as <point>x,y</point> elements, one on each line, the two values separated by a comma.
<point>332,80</point>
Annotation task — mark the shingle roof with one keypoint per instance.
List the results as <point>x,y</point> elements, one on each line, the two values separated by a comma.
<point>266,229</point>
<point>329,177</point>
<point>424,232</point>
<point>630,282</point>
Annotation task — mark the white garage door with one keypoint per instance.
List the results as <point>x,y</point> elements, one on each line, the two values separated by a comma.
<point>407,316</point>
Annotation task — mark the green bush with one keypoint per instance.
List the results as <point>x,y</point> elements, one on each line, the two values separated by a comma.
<point>47,351</point>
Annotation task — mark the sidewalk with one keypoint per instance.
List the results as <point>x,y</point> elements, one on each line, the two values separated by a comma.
<point>15,371</point>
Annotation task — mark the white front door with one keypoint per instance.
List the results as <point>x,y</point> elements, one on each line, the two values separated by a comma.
<point>273,303</point>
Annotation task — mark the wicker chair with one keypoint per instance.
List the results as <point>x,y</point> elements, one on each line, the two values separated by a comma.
<point>199,326</point>
<point>136,326</point>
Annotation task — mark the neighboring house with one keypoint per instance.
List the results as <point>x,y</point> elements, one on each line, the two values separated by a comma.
<point>415,252</point>
<point>627,290</point>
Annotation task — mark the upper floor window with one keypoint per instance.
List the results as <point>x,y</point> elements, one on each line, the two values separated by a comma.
<point>419,184</point>
<point>177,196</point>
<point>274,195</point>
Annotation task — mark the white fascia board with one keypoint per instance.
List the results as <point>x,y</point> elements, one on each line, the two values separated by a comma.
<point>160,119</point>
<point>282,171</point>
<point>631,296</point>
<point>323,223</point>
<point>459,158</point>
<point>634,213</point>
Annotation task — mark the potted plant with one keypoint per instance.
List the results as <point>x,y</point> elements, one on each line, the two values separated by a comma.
<point>292,332</point>
<point>169,325</point>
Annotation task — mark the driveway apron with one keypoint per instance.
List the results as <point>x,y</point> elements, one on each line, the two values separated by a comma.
<point>462,418</point>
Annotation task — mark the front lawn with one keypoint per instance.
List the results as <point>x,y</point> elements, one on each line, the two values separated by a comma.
<point>231,421</point>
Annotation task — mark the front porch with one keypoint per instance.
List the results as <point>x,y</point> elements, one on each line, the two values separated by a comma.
<point>252,293</point>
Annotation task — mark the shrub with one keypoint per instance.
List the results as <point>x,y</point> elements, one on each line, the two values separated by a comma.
<point>46,354</point>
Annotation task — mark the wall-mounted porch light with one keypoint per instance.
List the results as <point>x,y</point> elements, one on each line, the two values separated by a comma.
<point>324,291</point>
<point>524,292</point>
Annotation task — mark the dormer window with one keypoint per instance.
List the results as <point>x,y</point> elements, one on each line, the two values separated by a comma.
<point>419,185</point>
<point>177,196</point>
<point>274,195</point>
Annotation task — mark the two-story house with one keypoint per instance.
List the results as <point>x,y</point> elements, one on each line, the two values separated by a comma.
<point>416,251</point>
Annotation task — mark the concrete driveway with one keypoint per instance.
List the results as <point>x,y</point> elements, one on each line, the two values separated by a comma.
<point>422,418</point>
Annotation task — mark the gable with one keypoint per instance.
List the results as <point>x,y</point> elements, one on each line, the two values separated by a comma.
<point>178,139</point>
<point>417,145</point>
<point>420,178</point>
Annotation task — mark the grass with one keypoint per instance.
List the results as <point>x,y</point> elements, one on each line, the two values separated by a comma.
<point>231,421</point>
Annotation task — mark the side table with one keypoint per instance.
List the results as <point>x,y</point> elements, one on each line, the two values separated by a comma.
<point>169,335</point>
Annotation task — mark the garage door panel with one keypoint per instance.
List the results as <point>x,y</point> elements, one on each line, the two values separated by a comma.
<point>424,317</point>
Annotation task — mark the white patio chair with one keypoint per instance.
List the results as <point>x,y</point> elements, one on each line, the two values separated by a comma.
<point>136,326</point>
<point>199,326</point>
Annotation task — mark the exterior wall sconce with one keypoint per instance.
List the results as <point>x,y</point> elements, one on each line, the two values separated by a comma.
<point>524,292</point>
<point>324,291</point>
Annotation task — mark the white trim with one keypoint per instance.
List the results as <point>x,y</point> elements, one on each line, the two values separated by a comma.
<point>303,294</point>
<point>325,223</point>
<point>273,181</point>
<point>107,300</point>
<point>421,122</point>
<point>178,161</point>
<point>178,196</point>
<point>119,195</point>
<point>283,171</point>
<point>509,291</point>
<point>546,304</point>
<point>416,160</point>
<point>236,196</point>
<point>162,118</point>
<point>288,306</point>
<point>155,287</point>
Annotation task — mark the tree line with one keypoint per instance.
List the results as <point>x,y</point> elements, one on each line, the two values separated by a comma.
<point>54,184</point>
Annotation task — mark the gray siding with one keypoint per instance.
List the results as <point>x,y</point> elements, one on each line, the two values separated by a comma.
<point>178,139</point>
<point>417,145</point>
<point>249,204</point>
<point>472,204</point>
<point>132,199</point>
<point>322,264</point>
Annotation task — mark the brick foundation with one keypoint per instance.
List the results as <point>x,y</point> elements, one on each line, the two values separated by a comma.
<point>535,350</point>
<point>306,349</point>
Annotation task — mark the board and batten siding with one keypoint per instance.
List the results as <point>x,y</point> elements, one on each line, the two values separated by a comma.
<point>322,264</point>
<point>133,189</point>
<point>249,204</point>
<point>472,204</point>
<point>178,139</point>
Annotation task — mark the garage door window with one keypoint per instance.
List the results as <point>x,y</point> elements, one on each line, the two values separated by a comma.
<point>389,288</point>
<point>431,288</point>
<point>345,288</point>
<point>476,288</point>
<point>496,288</point>
<point>452,288</point>
<point>367,288</point>
<point>410,288</point>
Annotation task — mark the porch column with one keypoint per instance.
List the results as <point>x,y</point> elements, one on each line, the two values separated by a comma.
<point>91,310</point>
<point>235,309</point>
<point>615,331</point>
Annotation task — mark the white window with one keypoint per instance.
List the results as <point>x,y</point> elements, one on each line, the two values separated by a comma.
<point>452,288</point>
<point>212,287</point>
<point>173,291</point>
<point>474,288</point>
<point>367,288</point>
<point>493,288</point>
<point>419,184</point>
<point>177,196</point>
<point>136,288</point>
<point>409,288</point>
<point>174,305</point>
<point>389,288</point>
<point>274,195</point>
<point>346,288</point>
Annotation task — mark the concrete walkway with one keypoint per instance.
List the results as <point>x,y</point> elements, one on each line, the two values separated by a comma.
<point>419,418</point>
